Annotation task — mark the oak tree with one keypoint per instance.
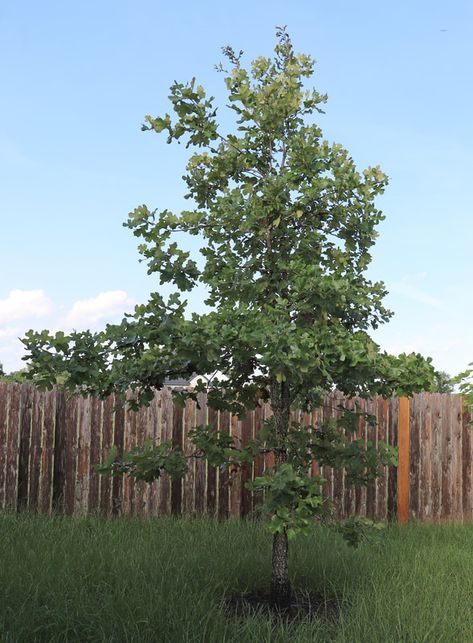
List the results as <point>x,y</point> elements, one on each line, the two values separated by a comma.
<point>286,223</point>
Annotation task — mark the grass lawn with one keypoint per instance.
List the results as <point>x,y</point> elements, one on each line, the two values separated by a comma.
<point>66,579</point>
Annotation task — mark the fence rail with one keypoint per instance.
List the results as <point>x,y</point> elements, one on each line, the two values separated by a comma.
<point>49,443</point>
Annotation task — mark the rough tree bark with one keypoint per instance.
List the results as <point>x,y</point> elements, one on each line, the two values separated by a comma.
<point>280,585</point>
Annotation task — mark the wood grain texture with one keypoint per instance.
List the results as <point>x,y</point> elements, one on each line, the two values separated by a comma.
<point>403,469</point>
<point>415,465</point>
<point>247,469</point>
<point>235,472</point>
<point>141,487</point>
<point>164,483</point>
<point>467,455</point>
<point>327,487</point>
<point>152,432</point>
<point>382,482</point>
<point>70,465</point>
<point>371,431</point>
<point>129,442</point>
<point>49,442</point>
<point>176,485</point>
<point>13,446</point>
<point>223,477</point>
<point>26,394</point>
<point>437,430</point>
<point>457,457</point>
<point>47,453</point>
<point>393,409</point>
<point>446,412</point>
<point>81,496</point>
<point>119,442</point>
<point>95,455</point>
<point>200,494</point>
<point>34,465</point>
<point>360,492</point>
<point>106,443</point>
<point>59,461</point>
<point>4,389</point>
<point>338,402</point>
<point>188,506</point>
<point>349,490</point>
<point>212,420</point>
<point>426,460</point>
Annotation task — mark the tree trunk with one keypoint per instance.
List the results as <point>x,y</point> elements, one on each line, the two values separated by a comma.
<point>280,586</point>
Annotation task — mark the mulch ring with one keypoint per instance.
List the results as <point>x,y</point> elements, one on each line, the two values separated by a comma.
<point>304,605</point>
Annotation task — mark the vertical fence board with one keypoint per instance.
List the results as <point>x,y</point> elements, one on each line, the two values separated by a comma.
<point>426,460</point>
<point>200,464</point>
<point>372,438</point>
<point>34,462</point>
<point>71,422</point>
<point>166,436</point>
<point>403,469</point>
<point>176,485</point>
<point>247,468</point>
<point>188,506</point>
<point>349,491</point>
<point>212,471</point>
<point>235,472</point>
<point>360,492</point>
<point>47,452</point>
<point>269,458</point>
<point>3,439</point>
<point>306,422</point>
<point>338,474</point>
<point>436,456</point>
<point>152,432</point>
<point>96,408</point>
<point>81,496</point>
<point>467,453</point>
<point>59,462</point>
<point>223,479</point>
<point>11,477</point>
<point>446,507</point>
<point>26,402</point>
<point>393,409</point>
<point>415,417</point>
<point>129,443</point>
<point>258,466</point>
<point>457,447</point>
<point>119,443</point>
<point>326,414</point>
<point>381,418</point>
<point>141,495</point>
<point>106,482</point>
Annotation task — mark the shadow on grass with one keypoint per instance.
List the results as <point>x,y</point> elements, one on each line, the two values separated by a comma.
<point>305,606</point>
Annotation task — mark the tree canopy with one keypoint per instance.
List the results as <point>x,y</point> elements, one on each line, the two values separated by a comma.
<point>286,223</point>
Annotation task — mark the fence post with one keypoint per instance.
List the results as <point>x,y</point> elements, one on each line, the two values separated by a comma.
<point>403,461</point>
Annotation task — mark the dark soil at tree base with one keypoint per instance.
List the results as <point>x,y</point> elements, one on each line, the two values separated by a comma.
<point>303,605</point>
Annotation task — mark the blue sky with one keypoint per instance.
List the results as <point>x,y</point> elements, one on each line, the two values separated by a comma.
<point>78,78</point>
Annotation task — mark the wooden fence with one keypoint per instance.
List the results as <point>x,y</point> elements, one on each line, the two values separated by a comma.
<point>49,442</point>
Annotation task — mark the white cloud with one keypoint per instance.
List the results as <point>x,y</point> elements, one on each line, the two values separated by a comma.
<point>21,304</point>
<point>9,332</point>
<point>105,305</point>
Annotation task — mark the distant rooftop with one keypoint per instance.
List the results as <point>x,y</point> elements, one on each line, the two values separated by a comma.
<point>179,382</point>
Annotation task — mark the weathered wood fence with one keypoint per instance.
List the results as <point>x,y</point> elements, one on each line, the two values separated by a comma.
<point>49,442</point>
